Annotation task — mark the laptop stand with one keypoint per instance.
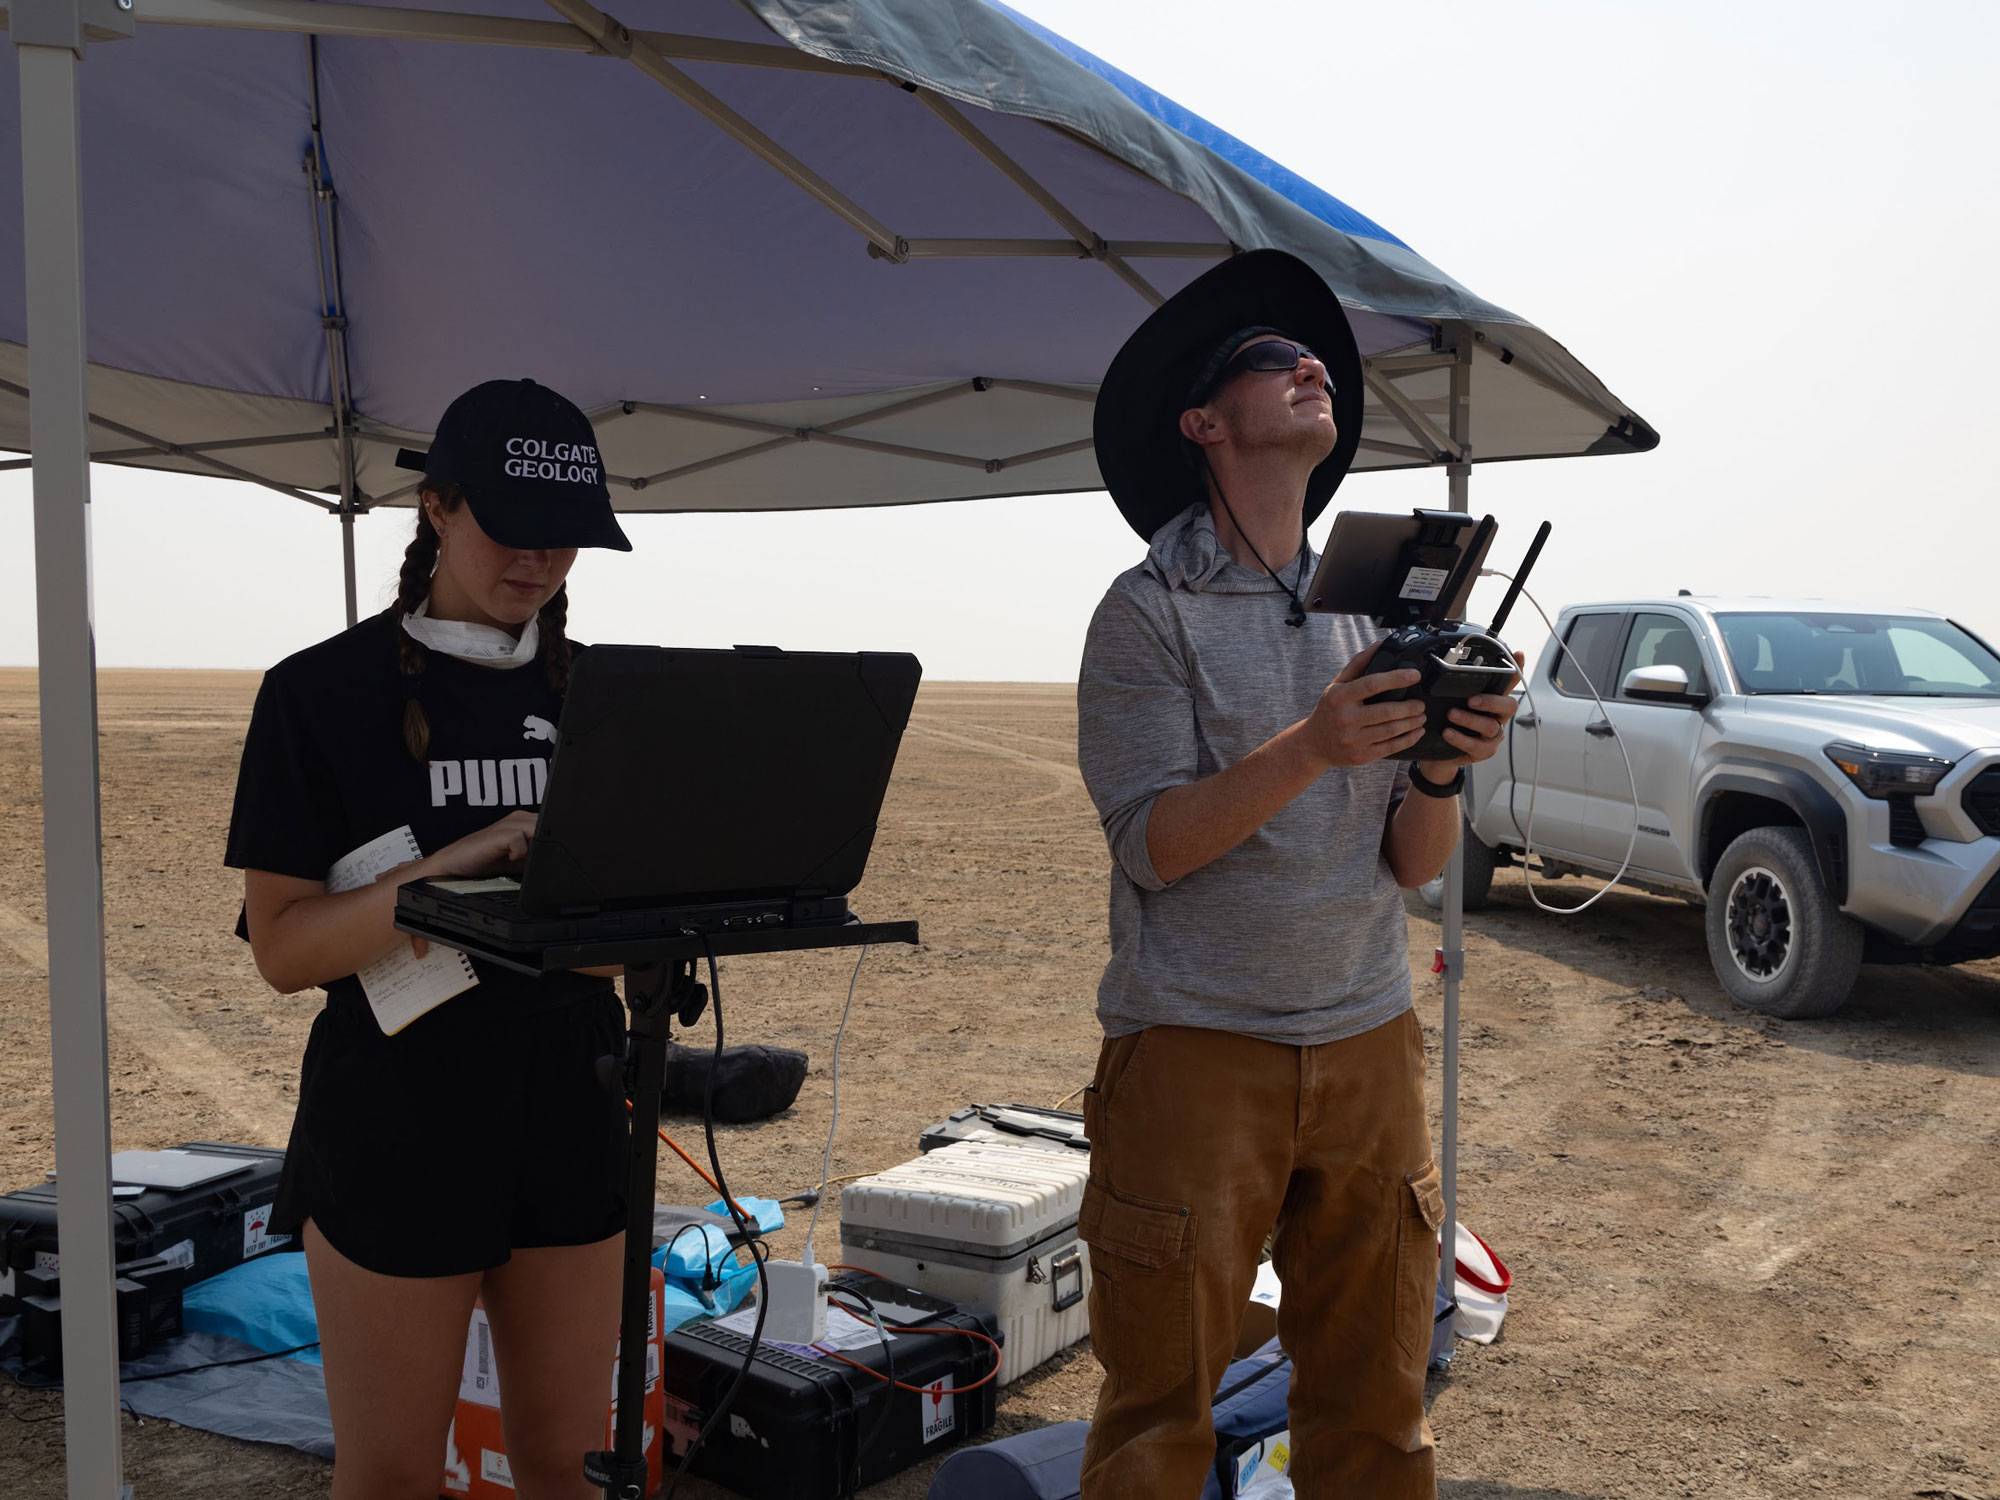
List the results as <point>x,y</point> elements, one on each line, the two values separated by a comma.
<point>660,987</point>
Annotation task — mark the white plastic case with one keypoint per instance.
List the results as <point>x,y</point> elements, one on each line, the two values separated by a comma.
<point>989,1226</point>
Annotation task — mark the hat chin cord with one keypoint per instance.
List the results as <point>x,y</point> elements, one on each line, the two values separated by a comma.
<point>1297,618</point>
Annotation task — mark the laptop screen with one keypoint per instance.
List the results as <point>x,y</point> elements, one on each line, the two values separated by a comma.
<point>686,776</point>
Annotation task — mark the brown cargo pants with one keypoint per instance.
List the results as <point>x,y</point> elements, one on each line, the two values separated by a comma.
<point>1201,1141</point>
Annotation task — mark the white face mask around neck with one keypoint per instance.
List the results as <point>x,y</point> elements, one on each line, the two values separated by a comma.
<point>482,645</point>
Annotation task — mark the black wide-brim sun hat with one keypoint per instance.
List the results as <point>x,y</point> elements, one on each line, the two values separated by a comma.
<point>1136,425</point>
<point>527,461</point>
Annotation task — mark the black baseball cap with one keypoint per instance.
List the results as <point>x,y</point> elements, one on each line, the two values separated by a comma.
<point>1160,370</point>
<point>527,461</point>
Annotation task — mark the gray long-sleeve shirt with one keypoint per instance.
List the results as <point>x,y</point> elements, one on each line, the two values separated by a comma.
<point>1297,934</point>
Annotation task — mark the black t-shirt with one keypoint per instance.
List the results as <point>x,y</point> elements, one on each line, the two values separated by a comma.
<point>325,770</point>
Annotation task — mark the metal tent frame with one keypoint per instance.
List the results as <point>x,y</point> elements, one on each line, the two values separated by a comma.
<point>1417,365</point>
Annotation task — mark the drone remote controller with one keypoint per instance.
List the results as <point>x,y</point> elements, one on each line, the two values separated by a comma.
<point>1456,660</point>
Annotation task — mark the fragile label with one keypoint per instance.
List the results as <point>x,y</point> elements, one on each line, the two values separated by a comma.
<point>257,1236</point>
<point>493,1468</point>
<point>1423,583</point>
<point>937,1417</point>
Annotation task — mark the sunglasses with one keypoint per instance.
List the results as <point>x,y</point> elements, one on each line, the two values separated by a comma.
<point>1266,356</point>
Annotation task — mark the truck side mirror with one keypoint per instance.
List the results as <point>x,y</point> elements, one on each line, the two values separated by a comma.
<point>1661,683</point>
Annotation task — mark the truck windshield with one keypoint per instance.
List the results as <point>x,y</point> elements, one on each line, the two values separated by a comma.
<point>1889,656</point>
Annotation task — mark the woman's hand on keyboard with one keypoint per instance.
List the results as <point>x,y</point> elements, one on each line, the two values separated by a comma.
<point>497,849</point>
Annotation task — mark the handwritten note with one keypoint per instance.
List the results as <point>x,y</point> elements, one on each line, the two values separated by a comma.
<point>399,985</point>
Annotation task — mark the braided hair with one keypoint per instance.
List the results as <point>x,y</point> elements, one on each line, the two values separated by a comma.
<point>413,586</point>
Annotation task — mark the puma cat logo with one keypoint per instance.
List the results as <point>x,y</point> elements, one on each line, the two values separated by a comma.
<point>533,728</point>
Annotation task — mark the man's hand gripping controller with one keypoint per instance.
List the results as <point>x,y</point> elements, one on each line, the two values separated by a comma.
<point>1458,661</point>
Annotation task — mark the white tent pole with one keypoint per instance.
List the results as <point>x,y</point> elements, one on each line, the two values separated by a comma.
<point>1458,479</point>
<point>49,38</point>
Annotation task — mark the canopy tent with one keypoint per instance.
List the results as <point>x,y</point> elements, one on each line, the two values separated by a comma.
<point>790,253</point>
<point>873,254</point>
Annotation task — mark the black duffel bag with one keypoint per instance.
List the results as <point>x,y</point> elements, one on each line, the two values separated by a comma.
<point>752,1082</point>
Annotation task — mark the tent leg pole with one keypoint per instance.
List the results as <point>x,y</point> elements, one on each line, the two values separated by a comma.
<point>1459,482</point>
<point>347,559</point>
<point>66,656</point>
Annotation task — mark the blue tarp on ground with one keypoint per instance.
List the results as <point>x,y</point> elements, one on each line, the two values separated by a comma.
<point>248,1364</point>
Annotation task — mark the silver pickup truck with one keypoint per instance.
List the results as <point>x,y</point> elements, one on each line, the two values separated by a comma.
<point>1826,781</point>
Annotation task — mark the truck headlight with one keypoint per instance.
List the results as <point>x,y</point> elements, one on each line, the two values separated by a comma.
<point>1888,773</point>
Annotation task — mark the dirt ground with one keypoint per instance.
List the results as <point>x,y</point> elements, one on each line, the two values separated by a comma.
<point>1753,1258</point>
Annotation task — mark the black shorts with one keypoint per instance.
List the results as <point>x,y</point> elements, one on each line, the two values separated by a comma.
<point>472,1133</point>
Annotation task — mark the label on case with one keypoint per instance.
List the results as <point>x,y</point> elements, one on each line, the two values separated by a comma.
<point>1423,583</point>
<point>479,1377</point>
<point>257,1236</point>
<point>936,1414</point>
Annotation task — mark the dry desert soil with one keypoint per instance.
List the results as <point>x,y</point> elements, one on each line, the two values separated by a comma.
<point>1754,1259</point>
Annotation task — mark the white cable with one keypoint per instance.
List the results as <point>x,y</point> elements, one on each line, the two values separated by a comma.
<point>826,1161</point>
<point>1535,779</point>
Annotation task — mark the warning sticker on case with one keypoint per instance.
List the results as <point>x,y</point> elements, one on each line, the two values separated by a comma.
<point>937,1416</point>
<point>257,1236</point>
<point>1423,583</point>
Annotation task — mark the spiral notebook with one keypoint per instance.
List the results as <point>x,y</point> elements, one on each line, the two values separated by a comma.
<point>399,985</point>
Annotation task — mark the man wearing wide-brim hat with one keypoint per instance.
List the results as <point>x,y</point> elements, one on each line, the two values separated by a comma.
<point>1262,1064</point>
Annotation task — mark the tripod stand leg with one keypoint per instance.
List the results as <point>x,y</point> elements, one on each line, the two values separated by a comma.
<point>654,994</point>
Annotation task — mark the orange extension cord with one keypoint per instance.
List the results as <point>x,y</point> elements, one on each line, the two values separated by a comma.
<point>693,1166</point>
<point>969,1333</point>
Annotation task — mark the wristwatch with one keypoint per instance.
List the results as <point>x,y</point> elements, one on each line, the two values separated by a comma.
<point>1431,788</point>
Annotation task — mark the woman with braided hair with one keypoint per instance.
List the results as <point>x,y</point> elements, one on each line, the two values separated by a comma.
<point>472,1153</point>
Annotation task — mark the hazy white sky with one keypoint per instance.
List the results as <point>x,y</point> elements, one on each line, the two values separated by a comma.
<point>1771,228</point>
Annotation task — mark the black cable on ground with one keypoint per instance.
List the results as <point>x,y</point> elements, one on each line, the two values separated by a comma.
<point>219,1364</point>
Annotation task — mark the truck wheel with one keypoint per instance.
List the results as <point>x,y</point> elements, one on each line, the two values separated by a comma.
<point>1479,863</point>
<point>1777,941</point>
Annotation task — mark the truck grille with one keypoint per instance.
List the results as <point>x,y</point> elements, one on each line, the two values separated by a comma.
<point>1982,800</point>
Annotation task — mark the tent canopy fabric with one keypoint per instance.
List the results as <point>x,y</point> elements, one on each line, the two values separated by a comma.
<point>789,253</point>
